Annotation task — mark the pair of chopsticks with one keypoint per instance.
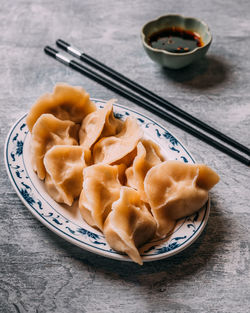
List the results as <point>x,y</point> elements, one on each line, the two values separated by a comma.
<point>158,105</point>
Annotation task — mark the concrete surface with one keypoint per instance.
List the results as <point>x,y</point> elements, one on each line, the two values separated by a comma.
<point>40,272</point>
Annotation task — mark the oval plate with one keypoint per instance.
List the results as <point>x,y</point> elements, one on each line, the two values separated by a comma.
<point>67,222</point>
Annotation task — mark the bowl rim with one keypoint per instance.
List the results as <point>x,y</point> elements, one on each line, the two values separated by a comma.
<point>143,36</point>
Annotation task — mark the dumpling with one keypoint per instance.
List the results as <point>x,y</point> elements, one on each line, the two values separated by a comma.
<point>128,159</point>
<point>101,187</point>
<point>64,166</point>
<point>175,190</point>
<point>111,149</point>
<point>148,155</point>
<point>66,103</point>
<point>99,123</point>
<point>47,132</point>
<point>129,225</point>
<point>121,168</point>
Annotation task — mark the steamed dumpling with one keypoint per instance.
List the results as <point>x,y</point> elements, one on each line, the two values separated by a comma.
<point>128,159</point>
<point>66,103</point>
<point>175,190</point>
<point>47,132</point>
<point>121,168</point>
<point>101,187</point>
<point>129,225</point>
<point>148,155</point>
<point>99,123</point>
<point>64,166</point>
<point>112,149</point>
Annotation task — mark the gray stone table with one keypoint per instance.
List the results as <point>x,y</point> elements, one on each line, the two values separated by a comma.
<point>39,271</point>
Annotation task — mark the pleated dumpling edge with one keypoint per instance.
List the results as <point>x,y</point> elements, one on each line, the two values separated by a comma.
<point>175,190</point>
<point>66,103</point>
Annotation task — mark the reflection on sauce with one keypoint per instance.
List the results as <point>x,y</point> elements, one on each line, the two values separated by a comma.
<point>175,39</point>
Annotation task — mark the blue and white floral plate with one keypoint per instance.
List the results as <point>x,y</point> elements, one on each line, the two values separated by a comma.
<point>67,222</point>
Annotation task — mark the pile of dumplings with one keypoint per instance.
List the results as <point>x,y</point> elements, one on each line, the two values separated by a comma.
<point>124,186</point>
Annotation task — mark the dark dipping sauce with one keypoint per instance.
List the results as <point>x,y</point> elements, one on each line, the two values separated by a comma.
<point>175,39</point>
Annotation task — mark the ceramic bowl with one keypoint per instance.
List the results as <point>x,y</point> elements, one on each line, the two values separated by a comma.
<point>170,59</point>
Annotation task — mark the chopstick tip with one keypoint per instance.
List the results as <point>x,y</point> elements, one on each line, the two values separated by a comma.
<point>50,51</point>
<point>62,44</point>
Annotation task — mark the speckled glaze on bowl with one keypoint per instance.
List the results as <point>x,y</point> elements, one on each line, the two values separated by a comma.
<point>170,59</point>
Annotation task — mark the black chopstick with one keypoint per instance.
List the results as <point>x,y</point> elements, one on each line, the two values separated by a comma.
<point>150,95</point>
<point>143,103</point>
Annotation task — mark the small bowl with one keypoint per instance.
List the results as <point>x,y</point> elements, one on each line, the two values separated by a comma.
<point>170,59</point>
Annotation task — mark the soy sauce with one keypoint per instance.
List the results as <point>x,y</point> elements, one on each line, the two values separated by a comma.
<point>175,39</point>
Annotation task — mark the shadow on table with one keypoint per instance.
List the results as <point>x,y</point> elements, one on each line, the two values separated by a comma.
<point>203,74</point>
<point>159,275</point>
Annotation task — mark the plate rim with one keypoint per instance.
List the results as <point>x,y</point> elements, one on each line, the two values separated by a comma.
<point>75,241</point>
